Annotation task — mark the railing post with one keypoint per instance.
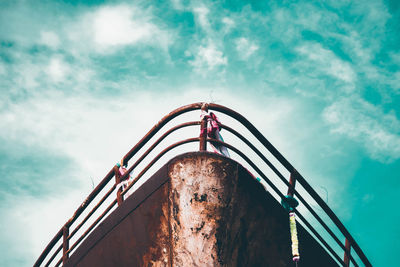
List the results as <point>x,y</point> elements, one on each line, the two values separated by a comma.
<point>347,253</point>
<point>117,181</point>
<point>292,183</point>
<point>203,128</point>
<point>65,244</point>
<point>292,204</point>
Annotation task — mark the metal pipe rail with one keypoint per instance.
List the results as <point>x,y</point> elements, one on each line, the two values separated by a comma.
<point>283,179</point>
<point>280,194</point>
<point>64,231</point>
<point>299,178</point>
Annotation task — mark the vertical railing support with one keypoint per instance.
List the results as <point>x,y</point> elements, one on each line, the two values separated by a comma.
<point>292,216</point>
<point>203,128</point>
<point>65,244</point>
<point>347,253</point>
<point>292,183</point>
<point>117,182</point>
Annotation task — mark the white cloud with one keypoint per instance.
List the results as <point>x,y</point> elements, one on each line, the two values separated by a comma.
<point>180,4</point>
<point>208,58</point>
<point>201,13</point>
<point>363,122</point>
<point>111,27</point>
<point>395,57</point>
<point>35,221</point>
<point>57,69</point>
<point>115,26</point>
<point>3,70</point>
<point>328,62</point>
<point>245,48</point>
<point>229,23</point>
<point>49,39</point>
<point>313,19</point>
<point>355,46</point>
<point>27,75</point>
<point>46,70</point>
<point>177,4</point>
<point>374,15</point>
<point>394,81</point>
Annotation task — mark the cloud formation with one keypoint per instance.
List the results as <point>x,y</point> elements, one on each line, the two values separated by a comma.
<point>365,123</point>
<point>245,48</point>
<point>208,58</point>
<point>49,39</point>
<point>321,84</point>
<point>111,27</point>
<point>328,62</point>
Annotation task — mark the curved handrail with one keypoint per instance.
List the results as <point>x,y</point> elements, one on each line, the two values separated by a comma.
<point>190,140</point>
<point>91,227</point>
<point>108,193</point>
<point>158,126</point>
<point>260,138</point>
<point>282,178</point>
<point>299,177</point>
<point>282,196</point>
<point>111,173</point>
<point>78,212</point>
<point>242,155</point>
<point>147,152</point>
<point>132,183</point>
<point>193,123</point>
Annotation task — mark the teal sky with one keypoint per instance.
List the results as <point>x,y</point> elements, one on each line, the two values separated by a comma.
<point>82,81</point>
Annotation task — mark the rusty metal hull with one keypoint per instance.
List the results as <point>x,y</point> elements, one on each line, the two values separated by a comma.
<point>200,209</point>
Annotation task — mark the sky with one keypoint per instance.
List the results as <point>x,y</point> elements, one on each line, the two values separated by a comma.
<point>82,81</point>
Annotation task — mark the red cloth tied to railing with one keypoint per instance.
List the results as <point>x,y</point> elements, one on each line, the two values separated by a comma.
<point>124,184</point>
<point>213,129</point>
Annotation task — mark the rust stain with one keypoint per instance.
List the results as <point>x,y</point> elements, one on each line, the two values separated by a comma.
<point>198,196</point>
<point>199,210</point>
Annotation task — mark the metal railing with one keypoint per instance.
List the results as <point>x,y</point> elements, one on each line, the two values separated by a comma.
<point>64,235</point>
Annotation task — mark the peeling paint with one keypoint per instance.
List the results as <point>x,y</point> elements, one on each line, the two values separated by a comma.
<point>198,197</point>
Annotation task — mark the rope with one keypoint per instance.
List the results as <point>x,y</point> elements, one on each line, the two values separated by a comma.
<point>289,203</point>
<point>295,241</point>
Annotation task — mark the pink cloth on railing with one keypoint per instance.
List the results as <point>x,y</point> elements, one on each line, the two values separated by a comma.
<point>214,126</point>
<point>122,170</point>
<point>213,130</point>
<point>124,184</point>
